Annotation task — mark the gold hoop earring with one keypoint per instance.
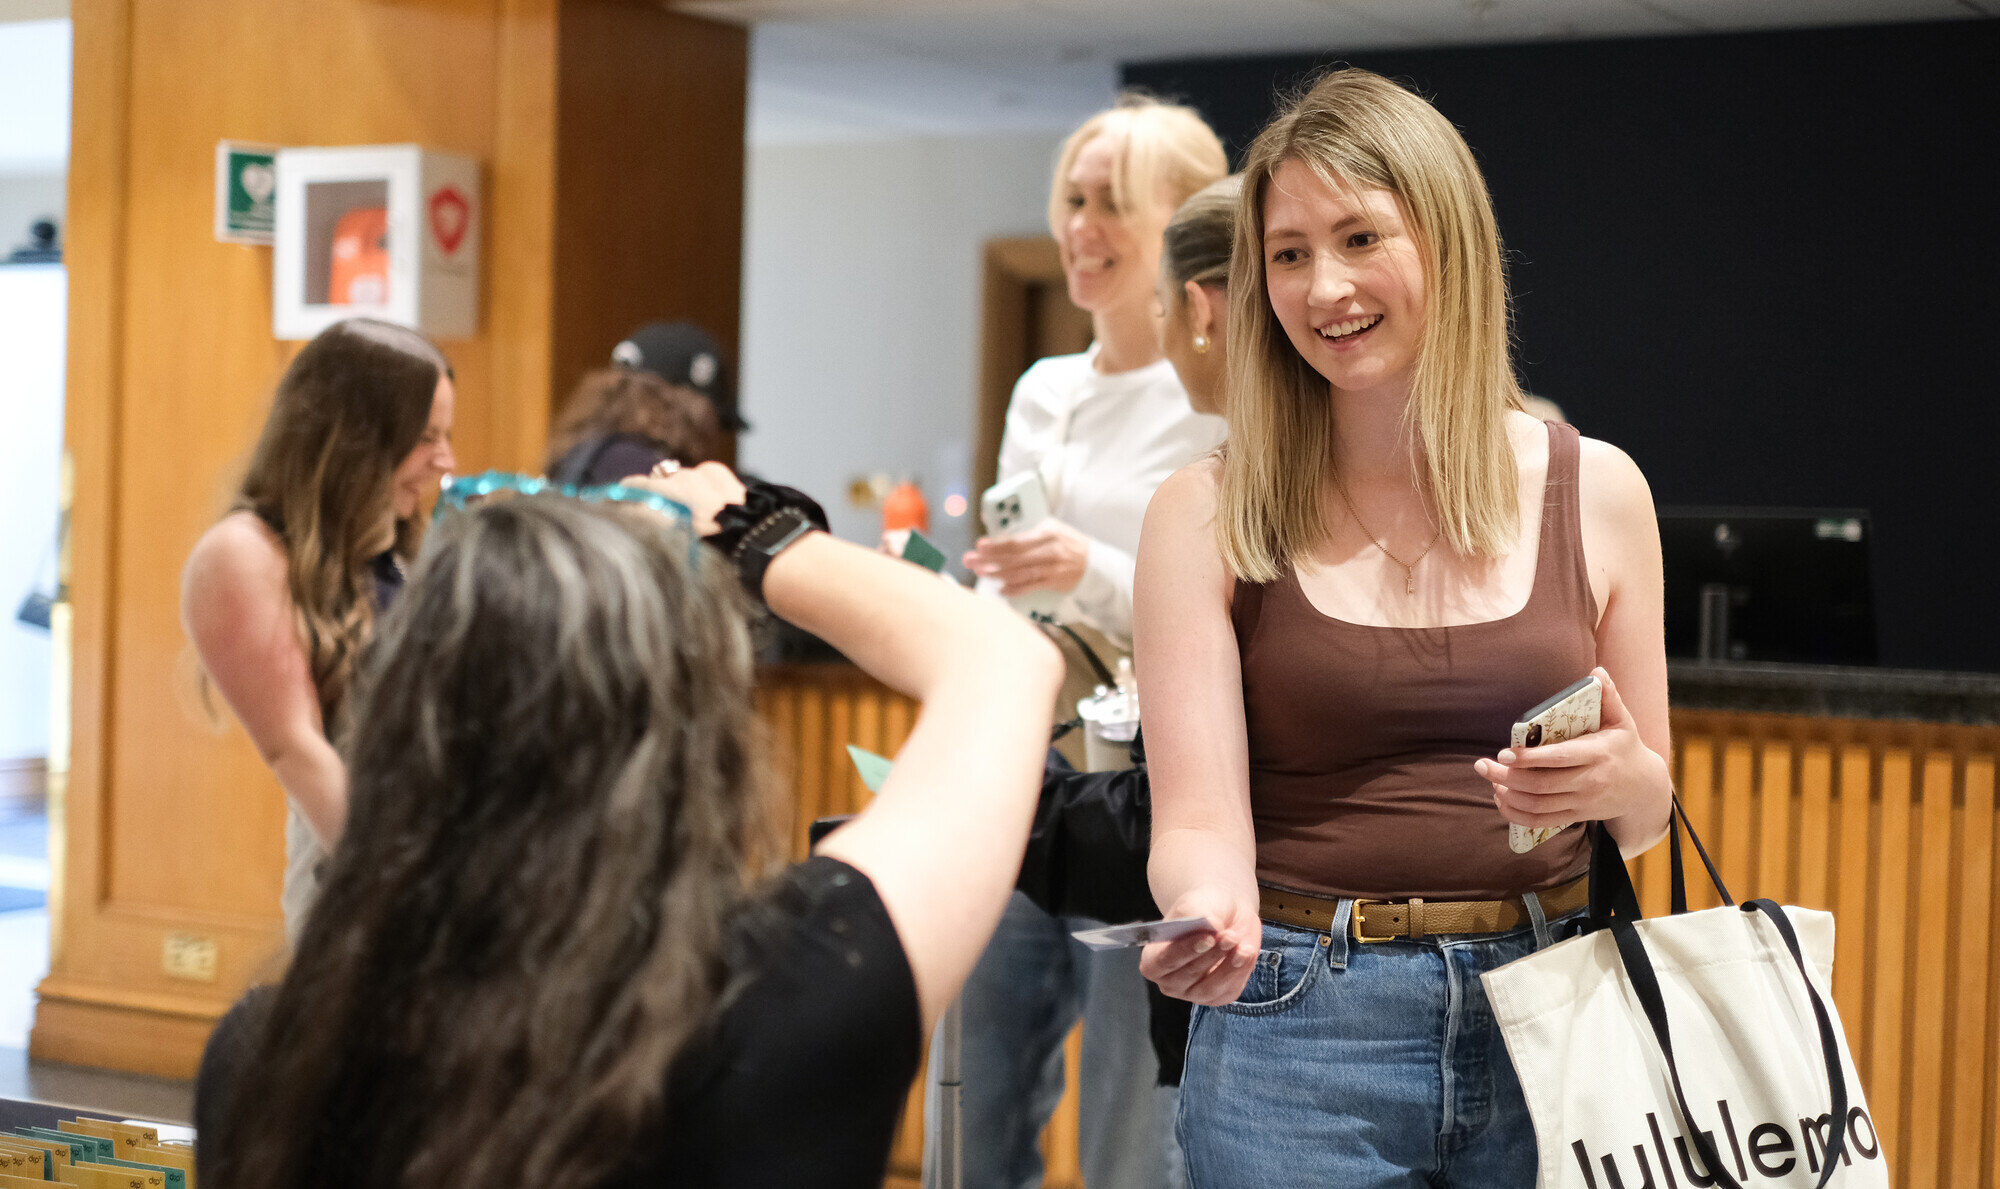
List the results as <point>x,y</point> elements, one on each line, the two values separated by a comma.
<point>1201,344</point>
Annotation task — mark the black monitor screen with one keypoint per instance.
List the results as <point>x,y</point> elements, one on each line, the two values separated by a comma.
<point>1769,584</point>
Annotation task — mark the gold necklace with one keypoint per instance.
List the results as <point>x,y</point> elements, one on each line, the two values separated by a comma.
<point>1409,567</point>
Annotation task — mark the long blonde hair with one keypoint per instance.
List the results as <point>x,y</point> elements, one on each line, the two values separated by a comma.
<point>1355,128</point>
<point>1169,151</point>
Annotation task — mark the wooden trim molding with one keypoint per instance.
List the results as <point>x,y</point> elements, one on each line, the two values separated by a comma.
<point>1013,268</point>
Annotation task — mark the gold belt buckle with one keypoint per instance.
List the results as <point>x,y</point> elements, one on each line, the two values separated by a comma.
<point>1354,923</point>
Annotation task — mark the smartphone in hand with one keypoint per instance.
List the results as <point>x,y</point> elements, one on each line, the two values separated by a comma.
<point>1015,505</point>
<point>1575,711</point>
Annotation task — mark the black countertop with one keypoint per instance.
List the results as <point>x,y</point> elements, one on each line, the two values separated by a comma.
<point>1835,691</point>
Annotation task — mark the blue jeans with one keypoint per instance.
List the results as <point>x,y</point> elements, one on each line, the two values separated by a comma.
<point>1027,991</point>
<point>1359,1066</point>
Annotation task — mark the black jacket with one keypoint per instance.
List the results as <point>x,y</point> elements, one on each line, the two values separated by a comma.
<point>1087,856</point>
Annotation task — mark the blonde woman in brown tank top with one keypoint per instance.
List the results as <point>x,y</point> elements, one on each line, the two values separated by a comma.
<point>1336,622</point>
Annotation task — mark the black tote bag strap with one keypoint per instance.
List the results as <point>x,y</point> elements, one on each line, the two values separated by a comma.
<point>1614,905</point>
<point>1675,825</point>
<point>1612,896</point>
<point>1646,985</point>
<point>1611,885</point>
<point>1829,1042</point>
<point>1097,667</point>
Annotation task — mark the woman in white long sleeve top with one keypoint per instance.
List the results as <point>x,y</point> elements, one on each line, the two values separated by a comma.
<point>1103,429</point>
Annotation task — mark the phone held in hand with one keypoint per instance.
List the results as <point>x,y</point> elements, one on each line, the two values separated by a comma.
<point>1015,505</point>
<point>1576,711</point>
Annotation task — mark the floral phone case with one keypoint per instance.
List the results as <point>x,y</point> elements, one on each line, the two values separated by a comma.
<point>1577,710</point>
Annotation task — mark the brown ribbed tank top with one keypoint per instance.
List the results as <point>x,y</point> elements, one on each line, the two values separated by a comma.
<point>1362,738</point>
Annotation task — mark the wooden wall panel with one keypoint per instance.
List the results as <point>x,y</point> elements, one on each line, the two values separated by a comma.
<point>169,823</point>
<point>646,142</point>
<point>1975,1099</point>
<point>1893,827</point>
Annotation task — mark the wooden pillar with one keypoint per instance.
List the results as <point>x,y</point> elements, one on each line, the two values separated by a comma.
<point>611,133</point>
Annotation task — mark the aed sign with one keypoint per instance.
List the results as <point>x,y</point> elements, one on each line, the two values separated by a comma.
<point>382,231</point>
<point>246,192</point>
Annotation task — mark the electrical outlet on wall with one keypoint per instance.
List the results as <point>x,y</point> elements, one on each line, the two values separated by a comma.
<point>189,956</point>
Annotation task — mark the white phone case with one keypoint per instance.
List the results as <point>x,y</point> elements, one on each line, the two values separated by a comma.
<point>1011,506</point>
<point>1577,710</point>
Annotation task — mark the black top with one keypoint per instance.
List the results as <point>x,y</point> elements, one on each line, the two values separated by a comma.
<point>388,578</point>
<point>805,1074</point>
<point>1087,858</point>
<point>607,459</point>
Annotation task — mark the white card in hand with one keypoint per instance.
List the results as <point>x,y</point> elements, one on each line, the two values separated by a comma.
<point>1118,937</point>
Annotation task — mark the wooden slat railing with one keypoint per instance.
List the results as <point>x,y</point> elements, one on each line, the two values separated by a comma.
<point>1892,826</point>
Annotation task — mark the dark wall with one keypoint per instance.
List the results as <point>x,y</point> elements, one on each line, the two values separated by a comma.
<point>1763,264</point>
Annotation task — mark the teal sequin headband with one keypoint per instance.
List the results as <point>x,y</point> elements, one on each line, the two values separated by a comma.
<point>458,493</point>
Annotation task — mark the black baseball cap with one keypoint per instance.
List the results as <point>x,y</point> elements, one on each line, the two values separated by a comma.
<point>684,354</point>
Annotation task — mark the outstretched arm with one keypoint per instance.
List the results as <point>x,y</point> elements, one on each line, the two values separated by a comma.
<point>942,841</point>
<point>1204,860</point>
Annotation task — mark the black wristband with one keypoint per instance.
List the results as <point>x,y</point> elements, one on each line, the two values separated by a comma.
<point>760,501</point>
<point>763,543</point>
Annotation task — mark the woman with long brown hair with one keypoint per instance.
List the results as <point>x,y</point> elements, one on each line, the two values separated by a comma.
<point>553,948</point>
<point>280,594</point>
<point>1338,620</point>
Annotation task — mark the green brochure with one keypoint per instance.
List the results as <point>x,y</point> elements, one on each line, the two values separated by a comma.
<point>873,768</point>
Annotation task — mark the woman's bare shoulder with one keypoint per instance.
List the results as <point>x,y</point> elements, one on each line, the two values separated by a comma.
<point>239,554</point>
<point>1611,483</point>
<point>1194,485</point>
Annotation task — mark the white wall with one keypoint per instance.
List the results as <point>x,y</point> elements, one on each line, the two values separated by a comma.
<point>23,199</point>
<point>34,96</point>
<point>861,313</point>
<point>34,154</point>
<point>33,307</point>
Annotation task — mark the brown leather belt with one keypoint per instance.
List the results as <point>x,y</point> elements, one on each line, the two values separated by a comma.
<point>1386,920</point>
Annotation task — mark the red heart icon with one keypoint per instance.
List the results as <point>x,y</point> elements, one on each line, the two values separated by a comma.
<point>450,215</point>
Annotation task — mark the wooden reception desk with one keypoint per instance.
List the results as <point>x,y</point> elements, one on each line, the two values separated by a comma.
<point>1864,791</point>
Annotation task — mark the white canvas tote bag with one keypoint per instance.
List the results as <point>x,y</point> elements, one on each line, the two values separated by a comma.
<point>1693,1050</point>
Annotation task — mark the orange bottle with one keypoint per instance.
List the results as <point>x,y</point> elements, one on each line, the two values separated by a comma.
<point>904,508</point>
<point>360,258</point>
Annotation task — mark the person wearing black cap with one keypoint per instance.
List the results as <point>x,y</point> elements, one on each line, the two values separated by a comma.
<point>684,354</point>
<point>667,394</point>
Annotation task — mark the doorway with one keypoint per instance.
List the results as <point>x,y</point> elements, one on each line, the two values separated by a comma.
<point>1027,316</point>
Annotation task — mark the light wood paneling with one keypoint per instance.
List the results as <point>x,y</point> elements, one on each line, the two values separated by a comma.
<point>1892,826</point>
<point>1975,1098</point>
<point>171,822</point>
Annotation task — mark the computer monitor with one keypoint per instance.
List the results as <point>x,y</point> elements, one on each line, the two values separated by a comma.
<point>1769,584</point>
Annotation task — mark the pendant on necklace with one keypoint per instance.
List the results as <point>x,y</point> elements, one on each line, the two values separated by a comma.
<point>1409,581</point>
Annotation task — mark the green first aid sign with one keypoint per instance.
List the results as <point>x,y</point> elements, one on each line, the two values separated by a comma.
<point>246,192</point>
